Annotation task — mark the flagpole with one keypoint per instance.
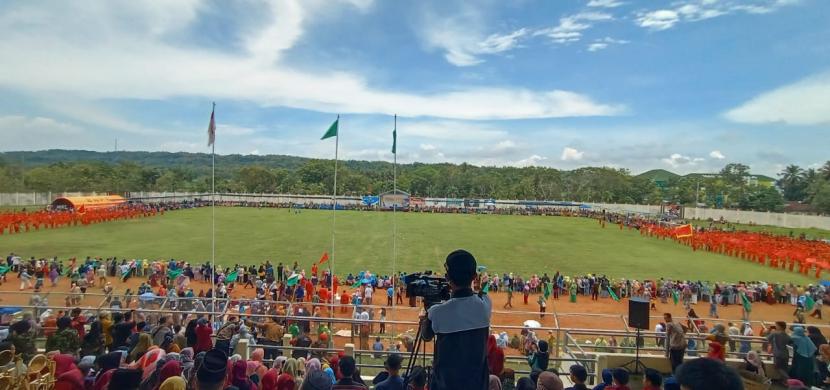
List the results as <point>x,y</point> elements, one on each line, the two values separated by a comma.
<point>213,217</point>
<point>334,210</point>
<point>394,220</point>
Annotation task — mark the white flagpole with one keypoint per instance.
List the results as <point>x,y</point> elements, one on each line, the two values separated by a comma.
<point>334,210</point>
<point>394,220</point>
<point>213,214</point>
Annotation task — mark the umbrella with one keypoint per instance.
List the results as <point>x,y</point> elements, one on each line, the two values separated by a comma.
<point>532,324</point>
<point>147,296</point>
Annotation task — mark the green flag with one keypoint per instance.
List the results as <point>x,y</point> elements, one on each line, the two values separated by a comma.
<point>746,303</point>
<point>613,295</point>
<point>292,280</point>
<point>395,141</point>
<point>674,296</point>
<point>809,303</point>
<point>332,131</point>
<point>4,269</point>
<point>486,288</point>
<point>231,277</point>
<point>547,291</point>
<point>174,273</point>
<point>356,284</point>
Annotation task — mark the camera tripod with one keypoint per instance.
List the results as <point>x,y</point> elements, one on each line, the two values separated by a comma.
<point>418,346</point>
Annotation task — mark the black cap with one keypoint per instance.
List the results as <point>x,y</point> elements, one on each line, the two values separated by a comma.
<point>214,367</point>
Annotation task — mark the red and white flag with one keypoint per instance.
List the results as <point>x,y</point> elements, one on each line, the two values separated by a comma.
<point>212,128</point>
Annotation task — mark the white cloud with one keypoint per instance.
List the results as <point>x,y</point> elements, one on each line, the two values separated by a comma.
<point>802,103</point>
<point>698,10</point>
<point>233,130</point>
<point>452,130</point>
<point>11,123</point>
<point>603,43</point>
<point>678,160</point>
<point>462,49</point>
<point>427,147</point>
<point>605,3</point>
<point>570,27</point>
<point>658,20</point>
<point>716,154</point>
<point>571,154</point>
<point>88,57</point>
<point>255,152</point>
<point>534,160</point>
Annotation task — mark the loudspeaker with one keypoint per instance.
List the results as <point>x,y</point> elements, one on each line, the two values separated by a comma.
<point>638,314</point>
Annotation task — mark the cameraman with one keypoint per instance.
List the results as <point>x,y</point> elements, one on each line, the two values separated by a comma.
<point>462,326</point>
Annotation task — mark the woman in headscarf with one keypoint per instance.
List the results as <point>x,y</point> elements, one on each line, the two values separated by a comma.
<point>803,359</point>
<point>548,381</point>
<point>197,362</point>
<point>240,378</point>
<point>823,361</point>
<point>495,383</point>
<point>203,332</point>
<point>285,382</point>
<point>754,365</point>
<point>269,380</point>
<point>539,359</point>
<point>67,374</point>
<point>291,369</point>
<point>716,351</point>
<point>93,342</point>
<point>815,336</point>
<point>495,356</point>
<point>143,345</point>
<point>330,374</point>
<point>173,383</point>
<point>313,365</point>
<point>186,358</point>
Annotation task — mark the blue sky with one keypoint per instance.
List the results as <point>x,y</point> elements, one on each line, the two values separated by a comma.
<point>686,85</point>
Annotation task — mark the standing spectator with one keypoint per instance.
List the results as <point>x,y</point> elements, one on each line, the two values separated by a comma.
<point>578,376</point>
<point>204,342</point>
<point>804,362</point>
<point>347,369</point>
<point>542,306</point>
<point>675,341</point>
<point>779,340</point>
<point>539,359</point>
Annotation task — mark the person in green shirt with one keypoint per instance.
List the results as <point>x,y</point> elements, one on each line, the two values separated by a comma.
<point>65,339</point>
<point>572,290</point>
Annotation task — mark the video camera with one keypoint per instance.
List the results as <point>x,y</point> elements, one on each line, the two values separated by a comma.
<point>433,289</point>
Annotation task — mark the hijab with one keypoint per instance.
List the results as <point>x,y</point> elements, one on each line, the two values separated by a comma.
<point>330,373</point>
<point>258,354</point>
<point>716,351</point>
<point>803,345</point>
<point>313,365</point>
<point>170,369</point>
<point>67,374</point>
<point>815,336</point>
<point>142,347</point>
<point>173,383</point>
<point>755,361</point>
<point>285,382</point>
<point>269,380</point>
<point>549,381</point>
<point>279,362</point>
<point>495,382</point>
<point>240,379</point>
<point>109,361</point>
<point>292,368</point>
<point>495,356</point>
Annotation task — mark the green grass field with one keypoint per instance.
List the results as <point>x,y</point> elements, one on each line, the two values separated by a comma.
<point>523,244</point>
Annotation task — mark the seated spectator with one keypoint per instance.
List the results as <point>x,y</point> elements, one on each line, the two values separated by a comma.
<point>65,339</point>
<point>708,374</point>
<point>652,380</point>
<point>620,378</point>
<point>549,381</point>
<point>316,380</point>
<point>212,372</point>
<point>393,367</point>
<point>348,369</point>
<point>578,376</point>
<point>716,351</point>
<point>606,380</point>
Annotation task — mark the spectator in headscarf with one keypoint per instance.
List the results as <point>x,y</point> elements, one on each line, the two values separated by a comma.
<point>173,383</point>
<point>67,375</point>
<point>138,351</point>
<point>815,336</point>
<point>495,356</point>
<point>716,351</point>
<point>804,357</point>
<point>495,383</point>
<point>240,379</point>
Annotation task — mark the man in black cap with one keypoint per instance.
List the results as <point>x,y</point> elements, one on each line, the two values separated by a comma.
<point>461,326</point>
<point>393,367</point>
<point>212,372</point>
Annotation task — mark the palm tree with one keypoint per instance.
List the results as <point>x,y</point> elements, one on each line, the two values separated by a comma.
<point>825,170</point>
<point>791,181</point>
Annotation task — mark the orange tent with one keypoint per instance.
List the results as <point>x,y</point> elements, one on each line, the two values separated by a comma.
<point>87,203</point>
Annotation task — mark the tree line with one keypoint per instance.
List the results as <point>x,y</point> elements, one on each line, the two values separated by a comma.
<point>70,171</point>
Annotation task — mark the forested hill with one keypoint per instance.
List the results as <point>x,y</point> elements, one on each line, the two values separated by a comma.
<point>80,170</point>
